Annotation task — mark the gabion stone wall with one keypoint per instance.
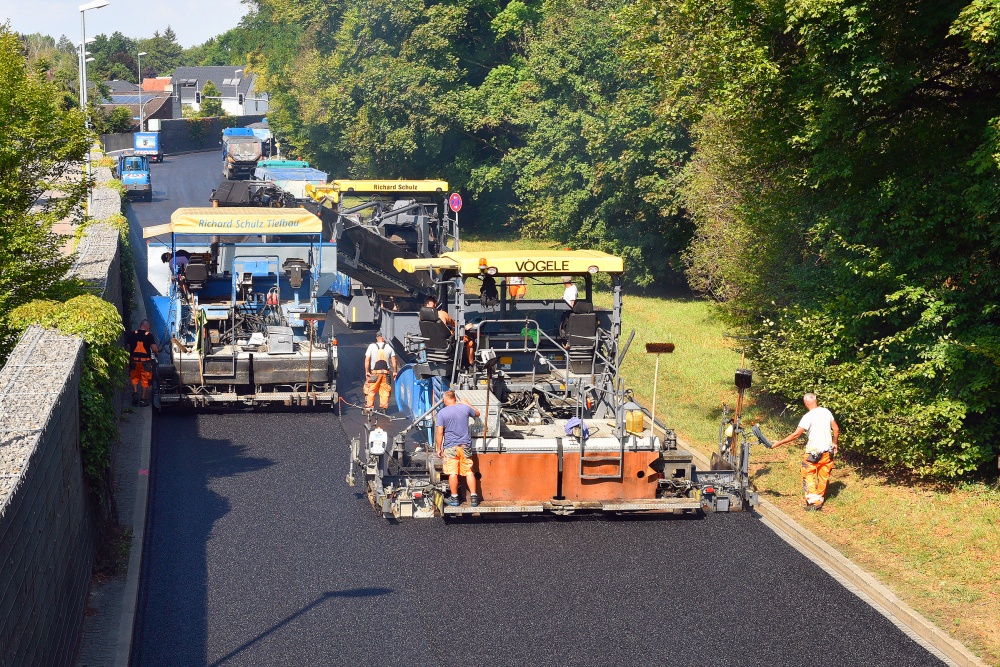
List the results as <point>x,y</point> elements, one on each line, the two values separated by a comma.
<point>46,531</point>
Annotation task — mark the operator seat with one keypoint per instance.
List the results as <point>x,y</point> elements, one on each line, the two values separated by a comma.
<point>579,330</point>
<point>439,344</point>
<point>196,274</point>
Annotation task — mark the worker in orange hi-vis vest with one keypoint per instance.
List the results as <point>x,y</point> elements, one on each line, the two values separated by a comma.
<point>822,432</point>
<point>378,359</point>
<point>142,348</point>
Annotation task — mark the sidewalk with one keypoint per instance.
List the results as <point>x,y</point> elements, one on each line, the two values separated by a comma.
<point>111,603</point>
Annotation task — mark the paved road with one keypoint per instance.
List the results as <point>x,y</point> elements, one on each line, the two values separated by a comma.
<point>258,553</point>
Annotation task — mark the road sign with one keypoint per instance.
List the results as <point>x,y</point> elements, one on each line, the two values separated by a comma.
<point>455,202</point>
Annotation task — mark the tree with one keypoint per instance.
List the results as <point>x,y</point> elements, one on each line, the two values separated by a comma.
<point>39,144</point>
<point>211,105</point>
<point>845,187</point>
<point>163,53</point>
<point>120,120</point>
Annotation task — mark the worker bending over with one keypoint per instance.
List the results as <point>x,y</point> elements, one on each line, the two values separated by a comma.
<point>378,357</point>
<point>452,442</point>
<point>821,446</point>
<point>141,347</point>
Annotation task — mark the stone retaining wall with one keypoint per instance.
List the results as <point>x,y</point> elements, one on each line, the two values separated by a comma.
<point>46,527</point>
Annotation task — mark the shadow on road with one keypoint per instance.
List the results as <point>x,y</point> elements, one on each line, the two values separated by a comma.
<point>329,595</point>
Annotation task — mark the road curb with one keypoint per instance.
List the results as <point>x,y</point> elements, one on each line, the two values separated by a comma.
<point>130,596</point>
<point>860,582</point>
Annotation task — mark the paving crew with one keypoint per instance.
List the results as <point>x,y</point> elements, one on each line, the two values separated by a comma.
<point>378,358</point>
<point>452,439</point>
<point>821,446</point>
<point>141,347</point>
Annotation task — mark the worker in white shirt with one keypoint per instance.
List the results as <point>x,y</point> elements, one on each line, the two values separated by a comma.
<point>821,446</point>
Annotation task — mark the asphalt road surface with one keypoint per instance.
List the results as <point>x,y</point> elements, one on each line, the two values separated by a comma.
<point>258,553</point>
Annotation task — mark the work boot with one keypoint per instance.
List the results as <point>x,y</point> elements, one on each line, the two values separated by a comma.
<point>474,500</point>
<point>135,400</point>
<point>144,403</point>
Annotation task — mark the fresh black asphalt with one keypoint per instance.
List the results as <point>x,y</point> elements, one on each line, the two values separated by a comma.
<point>258,553</point>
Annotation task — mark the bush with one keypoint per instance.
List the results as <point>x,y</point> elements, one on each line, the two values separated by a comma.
<point>115,184</point>
<point>99,324</point>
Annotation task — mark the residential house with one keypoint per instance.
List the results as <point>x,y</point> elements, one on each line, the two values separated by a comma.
<point>237,93</point>
<point>148,104</point>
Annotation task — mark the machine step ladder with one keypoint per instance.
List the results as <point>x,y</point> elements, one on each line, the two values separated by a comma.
<point>601,459</point>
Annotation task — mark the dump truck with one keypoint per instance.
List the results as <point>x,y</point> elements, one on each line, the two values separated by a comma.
<point>241,150</point>
<point>559,431</point>
<point>245,323</point>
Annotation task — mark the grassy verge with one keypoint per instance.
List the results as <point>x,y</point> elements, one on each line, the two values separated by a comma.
<point>935,546</point>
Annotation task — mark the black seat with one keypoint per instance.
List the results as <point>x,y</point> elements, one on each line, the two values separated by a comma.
<point>580,327</point>
<point>196,274</point>
<point>439,344</point>
<point>579,330</point>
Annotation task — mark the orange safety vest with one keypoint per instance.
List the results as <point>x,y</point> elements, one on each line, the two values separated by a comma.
<point>382,361</point>
<point>139,352</point>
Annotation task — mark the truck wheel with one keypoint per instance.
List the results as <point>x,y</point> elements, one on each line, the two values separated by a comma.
<point>149,196</point>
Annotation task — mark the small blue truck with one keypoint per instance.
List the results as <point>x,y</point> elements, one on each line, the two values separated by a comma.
<point>148,144</point>
<point>133,171</point>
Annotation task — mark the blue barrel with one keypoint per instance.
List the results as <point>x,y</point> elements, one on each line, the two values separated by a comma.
<point>413,395</point>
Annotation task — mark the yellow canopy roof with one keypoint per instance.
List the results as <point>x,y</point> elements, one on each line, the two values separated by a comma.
<point>518,262</point>
<point>340,186</point>
<point>238,220</point>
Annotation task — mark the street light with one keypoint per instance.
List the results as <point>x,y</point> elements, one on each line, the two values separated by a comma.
<point>139,59</point>
<point>81,53</point>
<point>84,8</point>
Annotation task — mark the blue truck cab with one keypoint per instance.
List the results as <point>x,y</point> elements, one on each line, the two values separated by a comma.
<point>133,171</point>
<point>241,149</point>
<point>148,144</point>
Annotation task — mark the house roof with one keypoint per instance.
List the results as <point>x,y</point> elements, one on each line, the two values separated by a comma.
<point>116,86</point>
<point>151,104</point>
<point>155,84</point>
<point>228,79</point>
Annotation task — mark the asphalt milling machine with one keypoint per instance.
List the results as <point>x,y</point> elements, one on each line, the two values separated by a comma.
<point>246,323</point>
<point>559,430</point>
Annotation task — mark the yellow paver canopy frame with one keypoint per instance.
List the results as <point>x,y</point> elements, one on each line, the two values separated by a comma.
<point>518,263</point>
<point>339,187</point>
<point>238,220</point>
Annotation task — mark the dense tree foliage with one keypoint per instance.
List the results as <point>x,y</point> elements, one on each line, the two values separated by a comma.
<point>844,185</point>
<point>39,142</point>
<point>530,106</point>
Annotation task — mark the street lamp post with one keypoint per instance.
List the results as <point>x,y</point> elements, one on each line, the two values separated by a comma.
<point>94,4</point>
<point>141,117</point>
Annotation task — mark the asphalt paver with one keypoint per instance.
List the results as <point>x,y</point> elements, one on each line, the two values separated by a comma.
<point>258,553</point>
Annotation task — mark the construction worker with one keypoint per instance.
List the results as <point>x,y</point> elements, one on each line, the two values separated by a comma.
<point>516,287</point>
<point>821,447</point>
<point>178,267</point>
<point>431,302</point>
<point>378,358</point>
<point>141,347</point>
<point>571,292</point>
<point>452,439</point>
